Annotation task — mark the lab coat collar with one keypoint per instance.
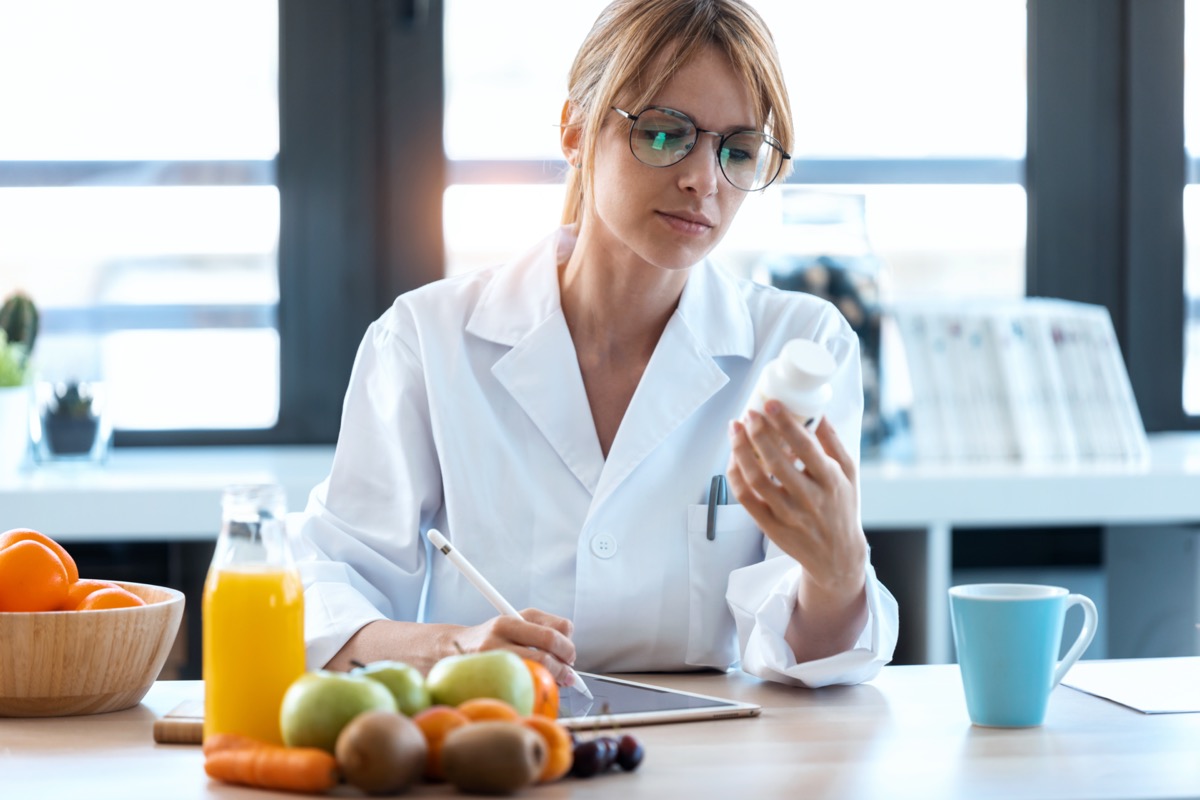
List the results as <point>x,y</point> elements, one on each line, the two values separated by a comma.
<point>524,293</point>
<point>521,307</point>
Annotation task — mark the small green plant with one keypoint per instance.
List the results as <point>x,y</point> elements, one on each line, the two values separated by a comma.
<point>18,332</point>
<point>12,363</point>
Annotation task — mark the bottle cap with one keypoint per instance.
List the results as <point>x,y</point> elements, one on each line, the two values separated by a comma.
<point>806,364</point>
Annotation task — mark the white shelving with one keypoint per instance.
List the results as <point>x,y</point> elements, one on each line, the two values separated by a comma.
<point>165,494</point>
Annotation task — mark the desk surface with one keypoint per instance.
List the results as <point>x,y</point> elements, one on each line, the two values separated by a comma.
<point>905,734</point>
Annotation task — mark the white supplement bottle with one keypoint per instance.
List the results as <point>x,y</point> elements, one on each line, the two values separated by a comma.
<point>798,378</point>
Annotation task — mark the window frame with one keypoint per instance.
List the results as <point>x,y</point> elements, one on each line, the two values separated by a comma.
<point>1106,168</point>
<point>361,85</point>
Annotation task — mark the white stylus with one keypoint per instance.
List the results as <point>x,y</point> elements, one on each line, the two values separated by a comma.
<point>494,597</point>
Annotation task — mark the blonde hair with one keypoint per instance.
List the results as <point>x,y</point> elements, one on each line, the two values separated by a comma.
<point>622,46</point>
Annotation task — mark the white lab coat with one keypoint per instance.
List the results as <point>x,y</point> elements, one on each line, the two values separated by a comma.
<point>466,411</point>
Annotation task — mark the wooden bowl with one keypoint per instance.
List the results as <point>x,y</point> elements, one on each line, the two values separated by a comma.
<point>57,663</point>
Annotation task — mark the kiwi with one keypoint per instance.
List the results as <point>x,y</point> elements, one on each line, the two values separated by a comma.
<point>381,752</point>
<point>493,757</point>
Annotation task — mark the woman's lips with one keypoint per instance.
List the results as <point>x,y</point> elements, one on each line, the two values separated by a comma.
<point>688,223</point>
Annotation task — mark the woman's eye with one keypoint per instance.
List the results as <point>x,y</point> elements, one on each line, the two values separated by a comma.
<point>663,139</point>
<point>735,156</point>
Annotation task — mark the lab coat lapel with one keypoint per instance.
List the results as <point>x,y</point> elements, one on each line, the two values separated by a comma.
<point>711,320</point>
<point>521,308</point>
<point>542,374</point>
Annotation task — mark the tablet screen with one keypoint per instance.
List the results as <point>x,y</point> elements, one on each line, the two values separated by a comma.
<point>626,700</point>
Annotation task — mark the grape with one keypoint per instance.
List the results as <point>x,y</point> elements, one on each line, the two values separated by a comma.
<point>586,759</point>
<point>608,752</point>
<point>629,753</point>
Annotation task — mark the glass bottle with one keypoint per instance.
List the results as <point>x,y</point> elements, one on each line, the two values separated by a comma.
<point>253,616</point>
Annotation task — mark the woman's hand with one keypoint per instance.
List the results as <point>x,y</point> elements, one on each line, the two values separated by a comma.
<point>811,513</point>
<point>538,636</point>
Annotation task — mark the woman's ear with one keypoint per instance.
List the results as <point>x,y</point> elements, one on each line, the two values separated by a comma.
<point>571,133</point>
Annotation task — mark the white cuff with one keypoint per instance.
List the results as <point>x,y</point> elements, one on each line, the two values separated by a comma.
<point>766,654</point>
<point>333,612</point>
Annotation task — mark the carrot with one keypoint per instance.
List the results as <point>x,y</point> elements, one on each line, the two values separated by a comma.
<point>236,759</point>
<point>229,741</point>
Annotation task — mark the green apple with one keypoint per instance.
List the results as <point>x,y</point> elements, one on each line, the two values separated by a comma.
<point>317,705</point>
<point>493,673</point>
<point>404,681</point>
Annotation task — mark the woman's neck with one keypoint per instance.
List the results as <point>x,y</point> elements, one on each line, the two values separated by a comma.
<point>617,305</point>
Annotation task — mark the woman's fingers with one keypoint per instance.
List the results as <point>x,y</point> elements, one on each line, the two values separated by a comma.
<point>533,635</point>
<point>828,438</point>
<point>801,489</point>
<point>525,636</point>
<point>754,471</point>
<point>802,442</point>
<point>755,506</point>
<point>560,624</point>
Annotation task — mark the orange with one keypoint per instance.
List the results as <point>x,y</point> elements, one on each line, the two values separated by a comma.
<point>81,589</point>
<point>435,722</point>
<point>478,709</point>
<point>27,534</point>
<point>559,748</point>
<point>116,597</point>
<point>545,690</point>
<point>32,578</point>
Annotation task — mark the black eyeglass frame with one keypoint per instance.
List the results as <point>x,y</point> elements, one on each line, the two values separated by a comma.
<point>721,139</point>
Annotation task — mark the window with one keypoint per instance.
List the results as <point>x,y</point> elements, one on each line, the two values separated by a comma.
<point>915,115</point>
<point>925,129</point>
<point>138,203</point>
<point>1191,209</point>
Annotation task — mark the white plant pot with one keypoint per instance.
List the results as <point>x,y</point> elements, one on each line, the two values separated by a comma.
<point>14,428</point>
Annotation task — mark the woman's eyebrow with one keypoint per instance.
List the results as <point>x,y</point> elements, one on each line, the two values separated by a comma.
<point>743,126</point>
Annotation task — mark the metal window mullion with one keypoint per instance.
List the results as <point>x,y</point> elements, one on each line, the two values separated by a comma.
<point>806,171</point>
<point>39,174</point>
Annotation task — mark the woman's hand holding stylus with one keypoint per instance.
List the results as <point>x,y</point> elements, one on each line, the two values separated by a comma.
<point>536,635</point>
<point>562,668</point>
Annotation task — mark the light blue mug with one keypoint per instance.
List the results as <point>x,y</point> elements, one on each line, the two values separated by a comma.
<point>1008,637</point>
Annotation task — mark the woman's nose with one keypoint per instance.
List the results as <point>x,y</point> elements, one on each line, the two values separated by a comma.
<point>700,171</point>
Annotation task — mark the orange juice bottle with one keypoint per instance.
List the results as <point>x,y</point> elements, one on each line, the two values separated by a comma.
<point>253,617</point>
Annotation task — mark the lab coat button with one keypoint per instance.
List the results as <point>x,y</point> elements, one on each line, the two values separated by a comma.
<point>604,546</point>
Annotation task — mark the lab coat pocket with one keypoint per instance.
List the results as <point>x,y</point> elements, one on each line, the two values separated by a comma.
<point>737,542</point>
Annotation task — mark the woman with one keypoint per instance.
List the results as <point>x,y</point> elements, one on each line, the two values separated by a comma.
<point>560,418</point>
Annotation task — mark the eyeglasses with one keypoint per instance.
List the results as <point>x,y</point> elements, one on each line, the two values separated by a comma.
<point>661,137</point>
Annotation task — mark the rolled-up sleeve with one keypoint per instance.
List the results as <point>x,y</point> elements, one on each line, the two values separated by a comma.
<point>762,598</point>
<point>359,548</point>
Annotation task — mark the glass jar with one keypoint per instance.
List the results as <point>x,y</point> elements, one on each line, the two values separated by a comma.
<point>253,616</point>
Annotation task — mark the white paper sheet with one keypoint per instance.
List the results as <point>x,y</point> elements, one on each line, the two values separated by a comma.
<point>1149,685</point>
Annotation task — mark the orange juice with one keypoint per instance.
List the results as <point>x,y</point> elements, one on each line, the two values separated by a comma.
<point>253,621</point>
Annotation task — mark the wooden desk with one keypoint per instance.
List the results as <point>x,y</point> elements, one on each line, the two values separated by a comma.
<point>905,734</point>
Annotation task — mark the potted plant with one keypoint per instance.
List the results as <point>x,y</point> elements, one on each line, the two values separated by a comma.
<point>69,420</point>
<point>19,326</point>
<point>18,331</point>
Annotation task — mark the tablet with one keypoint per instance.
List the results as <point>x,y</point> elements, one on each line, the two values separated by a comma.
<point>621,702</point>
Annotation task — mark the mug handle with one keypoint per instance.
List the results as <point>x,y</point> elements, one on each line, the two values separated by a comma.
<point>1090,618</point>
